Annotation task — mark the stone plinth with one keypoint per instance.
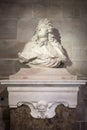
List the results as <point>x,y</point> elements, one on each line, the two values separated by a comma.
<point>43,90</point>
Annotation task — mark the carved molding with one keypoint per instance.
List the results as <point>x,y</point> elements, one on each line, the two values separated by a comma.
<point>42,109</point>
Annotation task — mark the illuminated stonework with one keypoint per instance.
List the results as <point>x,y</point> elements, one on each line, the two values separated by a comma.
<point>43,50</point>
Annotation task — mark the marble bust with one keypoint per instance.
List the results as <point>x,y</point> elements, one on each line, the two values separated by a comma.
<point>43,50</point>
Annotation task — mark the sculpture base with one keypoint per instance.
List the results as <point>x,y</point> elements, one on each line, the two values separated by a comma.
<point>43,74</point>
<point>42,90</point>
<point>43,100</point>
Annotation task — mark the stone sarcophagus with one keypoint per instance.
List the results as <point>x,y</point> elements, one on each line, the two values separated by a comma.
<point>43,90</point>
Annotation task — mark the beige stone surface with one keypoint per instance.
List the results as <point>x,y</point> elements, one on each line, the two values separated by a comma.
<point>9,48</point>
<point>70,17</point>
<point>43,74</point>
<point>8,29</point>
<point>6,67</point>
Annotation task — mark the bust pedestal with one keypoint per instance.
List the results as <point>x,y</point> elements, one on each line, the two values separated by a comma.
<point>43,90</point>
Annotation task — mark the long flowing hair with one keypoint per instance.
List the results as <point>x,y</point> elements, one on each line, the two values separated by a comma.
<point>45,23</point>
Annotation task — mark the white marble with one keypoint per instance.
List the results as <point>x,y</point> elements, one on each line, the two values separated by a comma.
<point>43,49</point>
<point>45,82</point>
<point>43,91</point>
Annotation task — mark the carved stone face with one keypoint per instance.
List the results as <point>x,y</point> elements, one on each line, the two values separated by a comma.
<point>44,49</point>
<point>42,32</point>
<point>42,105</point>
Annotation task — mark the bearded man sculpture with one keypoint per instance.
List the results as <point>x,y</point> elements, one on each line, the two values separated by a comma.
<point>43,50</point>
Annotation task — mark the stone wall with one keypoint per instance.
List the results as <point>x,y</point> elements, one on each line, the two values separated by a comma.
<point>18,19</point>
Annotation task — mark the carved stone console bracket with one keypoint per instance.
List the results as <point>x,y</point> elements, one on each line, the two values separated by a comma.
<point>43,97</point>
<point>43,109</point>
<point>43,90</point>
